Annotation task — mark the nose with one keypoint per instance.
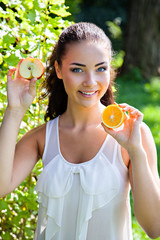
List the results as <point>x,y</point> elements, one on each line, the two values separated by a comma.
<point>90,80</point>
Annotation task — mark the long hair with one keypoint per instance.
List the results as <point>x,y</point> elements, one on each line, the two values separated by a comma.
<point>54,86</point>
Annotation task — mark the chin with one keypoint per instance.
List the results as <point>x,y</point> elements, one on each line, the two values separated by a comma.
<point>89,105</point>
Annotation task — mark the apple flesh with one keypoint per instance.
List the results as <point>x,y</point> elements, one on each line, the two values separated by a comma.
<point>31,68</point>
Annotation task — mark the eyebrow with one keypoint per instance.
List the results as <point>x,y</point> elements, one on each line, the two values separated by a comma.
<point>101,63</point>
<point>82,65</point>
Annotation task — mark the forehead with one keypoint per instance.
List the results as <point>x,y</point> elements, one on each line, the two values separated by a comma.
<point>85,52</point>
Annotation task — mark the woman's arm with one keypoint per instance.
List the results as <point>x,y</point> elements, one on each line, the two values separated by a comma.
<point>137,139</point>
<point>20,94</point>
<point>145,184</point>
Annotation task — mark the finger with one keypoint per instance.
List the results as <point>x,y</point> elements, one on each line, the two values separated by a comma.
<point>127,108</point>
<point>10,73</point>
<point>139,117</point>
<point>123,105</point>
<point>32,86</point>
<point>133,112</point>
<point>109,130</point>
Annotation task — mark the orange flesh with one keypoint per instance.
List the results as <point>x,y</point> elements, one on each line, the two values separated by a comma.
<point>113,116</point>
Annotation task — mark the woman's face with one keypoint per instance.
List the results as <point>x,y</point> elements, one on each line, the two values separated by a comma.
<point>85,72</point>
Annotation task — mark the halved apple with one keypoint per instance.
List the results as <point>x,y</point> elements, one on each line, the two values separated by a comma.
<point>31,68</point>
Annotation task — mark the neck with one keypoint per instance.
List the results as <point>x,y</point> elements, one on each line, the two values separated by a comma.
<point>82,117</point>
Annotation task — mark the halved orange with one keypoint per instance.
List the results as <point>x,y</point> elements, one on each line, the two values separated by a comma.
<point>113,116</point>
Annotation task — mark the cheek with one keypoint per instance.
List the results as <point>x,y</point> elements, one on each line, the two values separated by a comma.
<point>106,80</point>
<point>70,80</point>
<point>68,84</point>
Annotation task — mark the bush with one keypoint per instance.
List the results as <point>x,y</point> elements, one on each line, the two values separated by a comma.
<point>27,28</point>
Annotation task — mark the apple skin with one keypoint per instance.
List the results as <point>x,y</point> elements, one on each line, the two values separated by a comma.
<point>27,63</point>
<point>40,62</point>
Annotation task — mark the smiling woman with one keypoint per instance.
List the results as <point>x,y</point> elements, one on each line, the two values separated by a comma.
<point>89,34</point>
<point>84,188</point>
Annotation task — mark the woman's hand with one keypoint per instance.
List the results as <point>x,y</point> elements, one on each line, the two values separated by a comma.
<point>20,92</point>
<point>129,134</point>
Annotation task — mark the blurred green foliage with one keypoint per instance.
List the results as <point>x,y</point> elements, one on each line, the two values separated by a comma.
<point>30,28</point>
<point>74,8</point>
<point>105,11</point>
<point>27,28</point>
<point>19,210</point>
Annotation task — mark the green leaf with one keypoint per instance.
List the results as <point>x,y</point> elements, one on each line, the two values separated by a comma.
<point>59,11</point>
<point>36,5</point>
<point>3,205</point>
<point>32,16</point>
<point>12,60</point>
<point>8,38</point>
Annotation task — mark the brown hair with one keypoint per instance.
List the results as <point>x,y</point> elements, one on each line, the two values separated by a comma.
<point>54,87</point>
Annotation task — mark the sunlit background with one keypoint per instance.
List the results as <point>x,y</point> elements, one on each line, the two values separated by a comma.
<point>31,27</point>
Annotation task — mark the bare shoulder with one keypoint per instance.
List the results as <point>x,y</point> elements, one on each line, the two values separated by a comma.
<point>35,137</point>
<point>38,131</point>
<point>145,130</point>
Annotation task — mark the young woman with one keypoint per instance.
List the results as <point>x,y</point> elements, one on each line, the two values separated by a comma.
<point>84,187</point>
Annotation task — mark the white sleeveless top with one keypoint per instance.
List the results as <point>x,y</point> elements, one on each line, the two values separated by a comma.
<point>86,201</point>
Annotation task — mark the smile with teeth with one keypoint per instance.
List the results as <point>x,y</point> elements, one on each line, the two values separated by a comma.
<point>88,93</point>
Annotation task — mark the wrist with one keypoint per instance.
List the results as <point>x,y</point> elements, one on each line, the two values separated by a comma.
<point>136,152</point>
<point>15,111</point>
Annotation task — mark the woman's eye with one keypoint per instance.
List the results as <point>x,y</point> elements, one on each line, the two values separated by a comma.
<point>101,69</point>
<point>76,70</point>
